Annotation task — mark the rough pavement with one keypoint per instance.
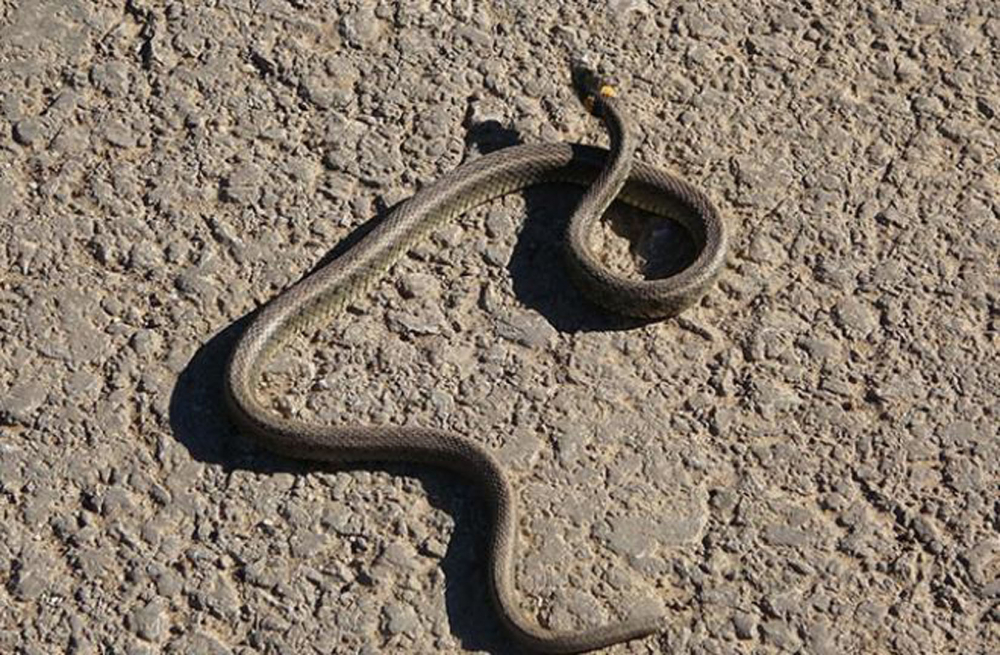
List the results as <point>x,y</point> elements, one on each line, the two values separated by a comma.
<point>806,462</point>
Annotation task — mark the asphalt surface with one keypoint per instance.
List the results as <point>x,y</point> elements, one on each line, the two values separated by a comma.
<point>806,462</point>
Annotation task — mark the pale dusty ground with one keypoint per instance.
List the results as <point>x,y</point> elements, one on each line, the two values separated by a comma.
<point>806,462</point>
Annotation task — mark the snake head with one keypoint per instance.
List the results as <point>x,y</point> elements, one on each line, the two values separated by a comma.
<point>591,88</point>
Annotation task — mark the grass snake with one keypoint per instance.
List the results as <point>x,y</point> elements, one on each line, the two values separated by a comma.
<point>607,175</point>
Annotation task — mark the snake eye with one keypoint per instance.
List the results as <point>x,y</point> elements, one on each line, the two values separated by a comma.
<point>584,78</point>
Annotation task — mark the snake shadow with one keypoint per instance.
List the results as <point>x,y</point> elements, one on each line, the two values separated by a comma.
<point>201,425</point>
<point>656,248</point>
<point>199,422</point>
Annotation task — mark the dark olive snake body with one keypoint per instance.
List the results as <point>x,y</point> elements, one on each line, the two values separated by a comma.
<point>607,175</point>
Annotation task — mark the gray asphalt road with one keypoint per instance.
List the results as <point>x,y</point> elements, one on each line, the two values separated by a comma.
<point>806,462</point>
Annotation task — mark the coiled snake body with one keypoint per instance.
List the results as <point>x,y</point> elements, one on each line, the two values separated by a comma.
<point>325,293</point>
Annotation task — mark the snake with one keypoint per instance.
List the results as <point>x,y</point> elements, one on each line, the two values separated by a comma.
<point>606,175</point>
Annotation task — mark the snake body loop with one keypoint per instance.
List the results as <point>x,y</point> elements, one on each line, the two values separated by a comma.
<point>607,175</point>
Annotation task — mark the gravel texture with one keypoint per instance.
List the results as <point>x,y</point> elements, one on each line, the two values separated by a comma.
<point>806,462</point>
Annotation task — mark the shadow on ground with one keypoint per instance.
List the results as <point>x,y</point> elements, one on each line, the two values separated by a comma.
<point>199,422</point>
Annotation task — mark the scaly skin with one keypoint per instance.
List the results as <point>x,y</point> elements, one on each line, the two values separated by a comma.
<point>323,294</point>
